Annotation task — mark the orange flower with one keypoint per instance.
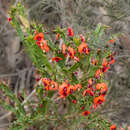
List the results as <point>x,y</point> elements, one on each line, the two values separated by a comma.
<point>39,37</point>
<point>105,67</point>
<point>102,87</point>
<point>82,38</point>
<point>72,89</point>
<point>53,86</point>
<point>99,100</point>
<point>90,82</point>
<point>46,83</point>
<point>56,59</point>
<point>83,48</point>
<point>78,86</point>
<point>71,52</point>
<point>111,41</point>
<point>104,62</point>
<point>86,113</point>
<point>112,61</point>
<point>64,49</point>
<point>113,127</point>
<point>43,45</point>
<point>64,90</point>
<point>70,32</point>
<point>57,36</point>
<point>98,73</point>
<point>88,91</point>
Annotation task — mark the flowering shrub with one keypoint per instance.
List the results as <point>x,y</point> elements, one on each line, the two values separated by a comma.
<point>71,85</point>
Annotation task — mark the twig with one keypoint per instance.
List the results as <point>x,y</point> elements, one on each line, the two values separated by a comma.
<point>122,56</point>
<point>29,77</point>
<point>14,74</point>
<point>61,43</point>
<point>16,87</point>
<point>29,96</point>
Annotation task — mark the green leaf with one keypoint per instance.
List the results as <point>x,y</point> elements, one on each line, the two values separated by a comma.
<point>9,93</point>
<point>7,106</point>
<point>74,67</point>
<point>74,79</point>
<point>98,28</point>
<point>76,41</point>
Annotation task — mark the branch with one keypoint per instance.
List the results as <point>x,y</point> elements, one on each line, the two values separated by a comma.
<point>9,113</point>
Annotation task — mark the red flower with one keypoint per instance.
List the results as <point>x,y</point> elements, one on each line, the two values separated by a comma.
<point>46,83</point>
<point>88,91</point>
<point>57,36</point>
<point>113,127</point>
<point>74,101</point>
<point>70,32</point>
<point>83,107</point>
<point>90,82</point>
<point>39,37</point>
<point>82,38</point>
<point>53,86</point>
<point>72,89</point>
<point>41,105</point>
<point>44,46</point>
<point>56,59</point>
<point>98,73</point>
<point>102,87</point>
<point>38,43</point>
<point>9,19</point>
<point>64,49</point>
<point>104,69</point>
<point>64,90</point>
<point>78,86</point>
<point>112,61</point>
<point>85,113</point>
<point>105,66</point>
<point>71,52</point>
<point>104,62</point>
<point>111,41</point>
<point>83,48</point>
<point>99,100</point>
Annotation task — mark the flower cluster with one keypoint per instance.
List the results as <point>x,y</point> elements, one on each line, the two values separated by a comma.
<point>94,87</point>
<point>41,42</point>
<point>64,89</point>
